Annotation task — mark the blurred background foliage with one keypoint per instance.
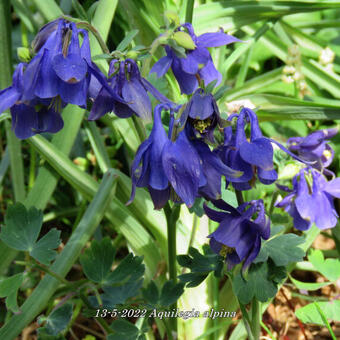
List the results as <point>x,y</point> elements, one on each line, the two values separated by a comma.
<point>287,66</point>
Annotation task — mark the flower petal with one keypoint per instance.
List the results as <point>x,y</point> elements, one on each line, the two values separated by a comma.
<point>215,39</point>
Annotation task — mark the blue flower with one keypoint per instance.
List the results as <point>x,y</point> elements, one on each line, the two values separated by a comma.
<point>202,115</point>
<point>26,119</point>
<point>197,64</point>
<point>311,201</point>
<point>126,83</point>
<point>251,157</point>
<point>314,147</point>
<point>60,73</point>
<point>238,236</point>
<point>180,170</point>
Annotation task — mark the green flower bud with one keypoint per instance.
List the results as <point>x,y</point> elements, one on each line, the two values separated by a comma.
<point>184,39</point>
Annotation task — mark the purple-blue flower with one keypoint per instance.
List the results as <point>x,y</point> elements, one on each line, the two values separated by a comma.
<point>253,156</point>
<point>202,115</point>
<point>27,120</point>
<point>59,73</point>
<point>311,200</point>
<point>126,83</point>
<point>238,236</point>
<point>197,64</point>
<point>314,147</point>
<point>180,170</point>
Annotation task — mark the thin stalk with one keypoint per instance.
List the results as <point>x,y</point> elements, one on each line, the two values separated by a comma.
<point>239,197</point>
<point>255,318</point>
<point>272,202</point>
<point>246,321</point>
<point>33,158</point>
<point>64,261</point>
<point>189,11</point>
<point>14,145</point>
<point>267,330</point>
<point>139,128</point>
<point>324,319</point>
<point>44,269</point>
<point>172,215</point>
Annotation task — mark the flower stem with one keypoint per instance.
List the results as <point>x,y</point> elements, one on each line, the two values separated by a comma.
<point>14,145</point>
<point>246,321</point>
<point>255,318</point>
<point>239,197</point>
<point>189,10</point>
<point>172,215</point>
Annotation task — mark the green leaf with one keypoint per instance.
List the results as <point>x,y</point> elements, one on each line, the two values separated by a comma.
<point>130,269</point>
<point>127,40</point>
<point>282,249</point>
<point>124,327</point>
<point>310,314</point>
<point>308,285</point>
<point>22,227</point>
<point>151,293</point>
<point>330,268</point>
<point>118,295</point>
<point>171,292</point>
<point>97,260</point>
<point>21,231</point>
<point>200,265</point>
<point>43,250</point>
<point>257,285</point>
<point>9,288</point>
<point>57,321</point>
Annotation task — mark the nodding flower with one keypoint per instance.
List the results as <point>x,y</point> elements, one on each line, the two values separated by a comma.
<point>311,200</point>
<point>127,84</point>
<point>238,236</point>
<point>197,64</point>
<point>176,169</point>
<point>314,147</point>
<point>251,157</point>
<point>60,73</point>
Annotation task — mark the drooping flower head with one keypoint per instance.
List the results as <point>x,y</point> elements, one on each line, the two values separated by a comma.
<point>238,236</point>
<point>126,82</point>
<point>311,200</point>
<point>314,147</point>
<point>252,157</point>
<point>176,169</point>
<point>202,115</point>
<point>197,64</point>
<point>59,73</point>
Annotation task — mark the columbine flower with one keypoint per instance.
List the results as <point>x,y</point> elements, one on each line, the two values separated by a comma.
<point>238,236</point>
<point>128,84</point>
<point>314,147</point>
<point>202,114</point>
<point>311,201</point>
<point>60,73</point>
<point>27,120</point>
<point>198,62</point>
<point>176,169</point>
<point>251,157</point>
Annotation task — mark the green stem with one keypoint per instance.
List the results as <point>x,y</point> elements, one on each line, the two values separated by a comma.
<point>239,197</point>
<point>255,318</point>
<point>139,128</point>
<point>14,145</point>
<point>44,269</point>
<point>172,215</point>
<point>189,11</point>
<point>64,261</point>
<point>272,203</point>
<point>33,158</point>
<point>246,321</point>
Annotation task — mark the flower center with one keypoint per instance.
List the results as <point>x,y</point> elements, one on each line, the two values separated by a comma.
<point>201,125</point>
<point>327,154</point>
<point>225,250</point>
